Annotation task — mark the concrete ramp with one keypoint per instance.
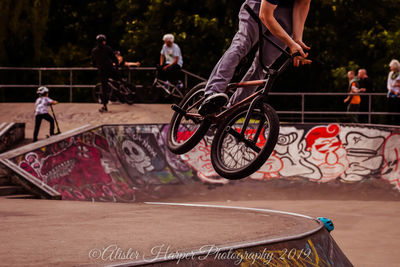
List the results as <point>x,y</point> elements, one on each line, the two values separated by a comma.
<point>10,134</point>
<point>286,239</point>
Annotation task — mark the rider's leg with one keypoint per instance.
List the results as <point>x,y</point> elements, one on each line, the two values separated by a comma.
<point>242,42</point>
<point>50,119</point>
<point>161,74</point>
<point>38,121</point>
<point>172,73</point>
<point>270,54</point>
<point>104,91</point>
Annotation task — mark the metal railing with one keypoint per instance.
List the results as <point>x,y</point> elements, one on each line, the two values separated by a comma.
<point>301,114</point>
<point>71,84</point>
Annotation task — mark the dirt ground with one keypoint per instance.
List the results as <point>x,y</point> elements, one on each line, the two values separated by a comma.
<point>365,217</point>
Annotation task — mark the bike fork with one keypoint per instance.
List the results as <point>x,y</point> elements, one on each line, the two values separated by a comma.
<point>241,136</point>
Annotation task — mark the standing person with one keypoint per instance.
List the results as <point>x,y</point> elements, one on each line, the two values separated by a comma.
<point>393,86</point>
<point>284,20</point>
<point>41,111</point>
<point>104,59</point>
<point>171,60</point>
<point>365,84</point>
<point>355,100</point>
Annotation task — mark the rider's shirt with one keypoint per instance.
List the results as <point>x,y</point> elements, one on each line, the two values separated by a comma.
<point>42,104</point>
<point>282,3</point>
<point>171,52</point>
<point>103,58</point>
<point>392,81</point>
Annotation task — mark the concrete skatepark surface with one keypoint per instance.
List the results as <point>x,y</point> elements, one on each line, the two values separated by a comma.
<point>362,213</point>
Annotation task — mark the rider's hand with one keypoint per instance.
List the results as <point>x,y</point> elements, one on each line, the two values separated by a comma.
<point>298,46</point>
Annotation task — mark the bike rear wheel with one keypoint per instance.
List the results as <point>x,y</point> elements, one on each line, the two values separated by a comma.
<point>185,132</point>
<point>236,154</point>
<point>147,93</point>
<point>127,93</point>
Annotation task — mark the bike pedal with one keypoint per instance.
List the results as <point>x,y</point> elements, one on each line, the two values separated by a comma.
<point>176,108</point>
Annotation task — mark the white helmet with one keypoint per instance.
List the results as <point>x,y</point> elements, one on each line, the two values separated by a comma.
<point>42,90</point>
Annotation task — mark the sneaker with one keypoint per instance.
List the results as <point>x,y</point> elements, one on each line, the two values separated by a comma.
<point>103,109</point>
<point>212,103</point>
<point>179,84</point>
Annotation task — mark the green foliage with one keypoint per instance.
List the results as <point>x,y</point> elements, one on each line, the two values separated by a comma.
<point>23,26</point>
<point>343,34</point>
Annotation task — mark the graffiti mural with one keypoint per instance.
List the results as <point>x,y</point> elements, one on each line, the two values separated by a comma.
<point>79,168</point>
<point>116,162</point>
<point>391,155</point>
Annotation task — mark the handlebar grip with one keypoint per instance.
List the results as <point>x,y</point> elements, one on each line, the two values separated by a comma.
<point>297,54</point>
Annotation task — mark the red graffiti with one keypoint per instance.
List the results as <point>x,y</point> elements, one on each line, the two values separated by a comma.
<point>77,165</point>
<point>327,151</point>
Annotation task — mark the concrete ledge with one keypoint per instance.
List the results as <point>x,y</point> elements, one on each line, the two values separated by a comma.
<point>10,134</point>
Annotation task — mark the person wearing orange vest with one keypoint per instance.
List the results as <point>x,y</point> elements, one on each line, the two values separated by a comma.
<point>355,100</point>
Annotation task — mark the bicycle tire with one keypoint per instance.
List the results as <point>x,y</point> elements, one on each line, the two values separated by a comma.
<point>183,135</point>
<point>129,99</point>
<point>127,93</point>
<point>228,150</point>
<point>147,93</point>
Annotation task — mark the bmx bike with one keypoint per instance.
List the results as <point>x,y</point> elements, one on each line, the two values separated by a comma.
<point>175,91</point>
<point>246,132</point>
<point>120,90</point>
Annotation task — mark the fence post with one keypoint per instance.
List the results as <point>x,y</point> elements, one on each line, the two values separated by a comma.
<point>369,108</point>
<point>40,77</point>
<point>70,86</point>
<point>302,108</point>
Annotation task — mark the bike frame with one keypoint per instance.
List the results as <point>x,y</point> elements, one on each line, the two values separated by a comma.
<point>175,90</point>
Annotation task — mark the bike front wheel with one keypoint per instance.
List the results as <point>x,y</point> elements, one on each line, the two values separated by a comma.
<point>237,150</point>
<point>185,132</point>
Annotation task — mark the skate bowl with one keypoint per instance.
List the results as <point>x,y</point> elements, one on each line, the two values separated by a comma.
<point>131,164</point>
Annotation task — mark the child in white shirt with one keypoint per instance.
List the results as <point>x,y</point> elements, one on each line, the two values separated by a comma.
<point>41,111</point>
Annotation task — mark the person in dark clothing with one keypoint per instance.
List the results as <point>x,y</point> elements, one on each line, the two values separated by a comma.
<point>104,59</point>
<point>365,83</point>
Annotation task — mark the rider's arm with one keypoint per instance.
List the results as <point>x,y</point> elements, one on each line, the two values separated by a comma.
<point>112,55</point>
<point>300,12</point>
<point>161,59</point>
<point>267,17</point>
<point>128,64</point>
